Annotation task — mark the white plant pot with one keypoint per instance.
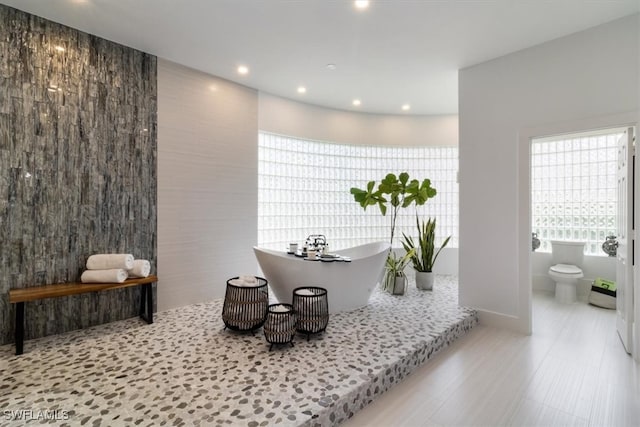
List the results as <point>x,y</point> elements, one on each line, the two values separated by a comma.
<point>424,280</point>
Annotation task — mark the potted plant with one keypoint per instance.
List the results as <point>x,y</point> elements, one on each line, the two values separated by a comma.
<point>393,193</point>
<point>424,255</point>
<point>395,281</point>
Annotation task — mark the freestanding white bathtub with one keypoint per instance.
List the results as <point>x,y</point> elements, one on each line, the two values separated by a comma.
<point>349,284</point>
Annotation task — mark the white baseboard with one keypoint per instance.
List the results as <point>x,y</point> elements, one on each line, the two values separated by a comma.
<point>503,321</point>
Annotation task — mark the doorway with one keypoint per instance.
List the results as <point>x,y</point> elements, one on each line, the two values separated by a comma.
<point>581,187</point>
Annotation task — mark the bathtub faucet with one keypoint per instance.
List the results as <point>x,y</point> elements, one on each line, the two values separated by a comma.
<point>316,242</point>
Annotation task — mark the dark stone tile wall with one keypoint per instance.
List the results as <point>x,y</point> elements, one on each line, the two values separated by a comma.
<point>78,153</point>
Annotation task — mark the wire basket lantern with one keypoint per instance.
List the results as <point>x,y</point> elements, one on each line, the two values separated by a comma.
<point>245,305</point>
<point>312,309</point>
<point>280,326</point>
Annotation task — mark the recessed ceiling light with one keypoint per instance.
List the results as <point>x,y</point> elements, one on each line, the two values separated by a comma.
<point>406,107</point>
<point>361,4</point>
<point>302,89</point>
<point>331,66</point>
<point>243,69</point>
<point>356,102</point>
<point>59,48</point>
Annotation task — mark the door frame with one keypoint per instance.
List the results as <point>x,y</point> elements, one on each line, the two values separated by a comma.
<point>525,137</point>
<point>626,250</point>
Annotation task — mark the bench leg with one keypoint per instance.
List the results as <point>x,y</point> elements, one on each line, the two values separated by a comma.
<point>146,302</point>
<point>143,300</point>
<point>149,287</point>
<point>19,328</point>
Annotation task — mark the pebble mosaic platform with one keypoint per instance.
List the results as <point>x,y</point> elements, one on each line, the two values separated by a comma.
<point>186,370</point>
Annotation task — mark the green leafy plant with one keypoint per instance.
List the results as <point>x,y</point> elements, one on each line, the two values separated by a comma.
<point>424,255</point>
<point>394,192</point>
<point>395,268</point>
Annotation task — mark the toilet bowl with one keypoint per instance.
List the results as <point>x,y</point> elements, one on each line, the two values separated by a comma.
<point>566,277</point>
<point>565,271</point>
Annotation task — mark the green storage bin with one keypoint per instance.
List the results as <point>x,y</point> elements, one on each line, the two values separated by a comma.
<point>603,293</point>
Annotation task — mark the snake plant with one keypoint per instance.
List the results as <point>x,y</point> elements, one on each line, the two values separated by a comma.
<point>424,255</point>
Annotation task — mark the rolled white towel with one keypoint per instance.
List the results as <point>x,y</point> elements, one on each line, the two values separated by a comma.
<point>141,268</point>
<point>237,282</point>
<point>110,262</point>
<point>241,282</point>
<point>280,309</point>
<point>115,275</point>
<point>251,280</point>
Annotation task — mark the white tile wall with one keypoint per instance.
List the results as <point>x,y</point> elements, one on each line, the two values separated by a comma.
<point>207,184</point>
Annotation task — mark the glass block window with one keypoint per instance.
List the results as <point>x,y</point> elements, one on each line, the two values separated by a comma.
<point>303,189</point>
<point>574,194</point>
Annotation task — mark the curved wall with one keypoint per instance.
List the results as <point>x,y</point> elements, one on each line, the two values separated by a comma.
<point>287,117</point>
<point>207,171</point>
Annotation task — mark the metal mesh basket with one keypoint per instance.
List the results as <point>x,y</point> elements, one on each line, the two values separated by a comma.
<point>245,307</point>
<point>312,309</point>
<point>280,326</point>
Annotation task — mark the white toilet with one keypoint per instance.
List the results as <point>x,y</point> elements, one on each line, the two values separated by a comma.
<point>565,270</point>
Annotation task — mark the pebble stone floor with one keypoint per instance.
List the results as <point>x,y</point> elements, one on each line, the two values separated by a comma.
<point>186,370</point>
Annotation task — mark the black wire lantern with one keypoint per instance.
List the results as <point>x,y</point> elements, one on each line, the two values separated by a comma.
<point>245,307</point>
<point>280,326</point>
<point>312,309</point>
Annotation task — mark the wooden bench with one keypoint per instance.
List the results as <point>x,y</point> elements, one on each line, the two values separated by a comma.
<point>34,293</point>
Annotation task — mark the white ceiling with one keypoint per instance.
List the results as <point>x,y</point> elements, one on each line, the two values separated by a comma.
<point>395,52</point>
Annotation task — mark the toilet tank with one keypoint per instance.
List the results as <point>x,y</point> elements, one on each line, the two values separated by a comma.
<point>567,252</point>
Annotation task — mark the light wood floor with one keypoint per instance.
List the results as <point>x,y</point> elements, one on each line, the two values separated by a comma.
<point>573,370</point>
